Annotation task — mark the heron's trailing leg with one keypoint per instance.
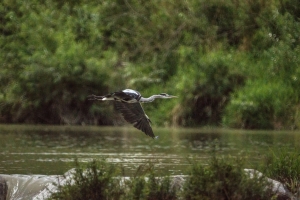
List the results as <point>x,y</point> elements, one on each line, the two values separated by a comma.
<point>95,97</point>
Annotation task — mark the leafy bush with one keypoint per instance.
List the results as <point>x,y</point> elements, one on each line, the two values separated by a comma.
<point>100,180</point>
<point>148,186</point>
<point>224,179</point>
<point>206,82</point>
<point>269,99</point>
<point>260,105</point>
<point>53,70</point>
<point>284,166</point>
<point>96,182</point>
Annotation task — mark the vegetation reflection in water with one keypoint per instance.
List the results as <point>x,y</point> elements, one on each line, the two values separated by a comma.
<point>52,149</point>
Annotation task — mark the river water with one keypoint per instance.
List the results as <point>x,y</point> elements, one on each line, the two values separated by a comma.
<point>51,150</point>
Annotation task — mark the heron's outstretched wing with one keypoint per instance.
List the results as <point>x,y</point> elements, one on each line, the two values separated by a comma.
<point>134,114</point>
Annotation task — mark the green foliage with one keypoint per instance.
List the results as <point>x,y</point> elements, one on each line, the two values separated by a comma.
<point>284,166</point>
<point>224,179</point>
<point>146,185</point>
<point>54,53</point>
<point>270,98</point>
<point>96,182</point>
<point>207,81</point>
<point>100,180</point>
<point>55,70</point>
<point>261,105</point>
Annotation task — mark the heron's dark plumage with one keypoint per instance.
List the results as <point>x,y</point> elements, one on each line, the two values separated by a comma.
<point>134,114</point>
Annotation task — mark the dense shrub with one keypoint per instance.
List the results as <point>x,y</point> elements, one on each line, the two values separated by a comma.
<point>46,70</point>
<point>206,82</point>
<point>145,185</point>
<point>222,179</point>
<point>261,105</point>
<point>269,99</point>
<point>96,182</point>
<point>284,166</point>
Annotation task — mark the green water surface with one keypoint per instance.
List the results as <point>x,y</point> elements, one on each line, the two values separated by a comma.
<point>51,150</point>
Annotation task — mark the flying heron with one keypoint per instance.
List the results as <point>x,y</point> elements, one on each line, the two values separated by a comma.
<point>127,102</point>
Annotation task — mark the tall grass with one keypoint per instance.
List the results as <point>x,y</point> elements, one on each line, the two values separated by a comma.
<point>145,185</point>
<point>224,179</point>
<point>284,166</point>
<point>94,181</point>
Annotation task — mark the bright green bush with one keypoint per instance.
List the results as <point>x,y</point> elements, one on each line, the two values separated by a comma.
<point>205,82</point>
<point>269,99</point>
<point>261,105</point>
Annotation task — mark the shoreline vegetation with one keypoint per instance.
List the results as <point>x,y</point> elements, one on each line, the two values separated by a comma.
<point>222,178</point>
<point>231,63</point>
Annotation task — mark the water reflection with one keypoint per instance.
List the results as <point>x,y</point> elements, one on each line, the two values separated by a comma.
<point>52,149</point>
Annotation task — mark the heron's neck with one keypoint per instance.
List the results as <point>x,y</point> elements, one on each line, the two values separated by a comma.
<point>149,99</point>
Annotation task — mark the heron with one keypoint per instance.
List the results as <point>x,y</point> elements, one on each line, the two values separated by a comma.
<point>128,103</point>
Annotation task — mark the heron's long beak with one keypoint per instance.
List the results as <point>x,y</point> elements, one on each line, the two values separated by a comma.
<point>171,96</point>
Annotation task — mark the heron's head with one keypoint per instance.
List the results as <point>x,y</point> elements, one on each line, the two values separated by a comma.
<point>166,96</point>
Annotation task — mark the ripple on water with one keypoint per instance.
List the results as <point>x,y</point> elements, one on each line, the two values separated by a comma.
<point>52,150</point>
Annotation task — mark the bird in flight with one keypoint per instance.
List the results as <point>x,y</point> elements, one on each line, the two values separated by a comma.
<point>128,103</point>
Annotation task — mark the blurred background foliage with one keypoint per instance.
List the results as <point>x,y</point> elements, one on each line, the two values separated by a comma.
<point>232,63</point>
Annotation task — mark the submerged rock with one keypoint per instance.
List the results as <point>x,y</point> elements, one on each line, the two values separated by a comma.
<point>25,186</point>
<point>277,187</point>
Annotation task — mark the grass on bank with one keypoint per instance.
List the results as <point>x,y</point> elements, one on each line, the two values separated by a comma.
<point>284,167</point>
<point>102,180</point>
<point>222,178</point>
<point>94,181</point>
